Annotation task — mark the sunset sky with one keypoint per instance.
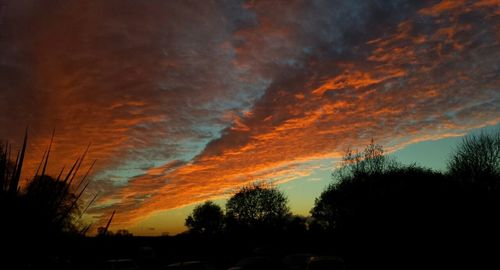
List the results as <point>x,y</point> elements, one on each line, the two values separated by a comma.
<point>185,101</point>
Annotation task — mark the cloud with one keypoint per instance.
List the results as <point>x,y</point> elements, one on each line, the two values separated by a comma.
<point>146,83</point>
<point>410,83</point>
<point>185,102</point>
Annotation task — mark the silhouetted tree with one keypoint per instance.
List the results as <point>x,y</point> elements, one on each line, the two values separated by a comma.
<point>258,205</point>
<point>378,208</point>
<point>52,205</point>
<point>355,166</point>
<point>123,233</point>
<point>369,161</point>
<point>477,159</point>
<point>207,218</point>
<point>41,214</point>
<point>296,225</point>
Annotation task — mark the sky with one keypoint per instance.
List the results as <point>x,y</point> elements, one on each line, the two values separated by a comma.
<point>185,101</point>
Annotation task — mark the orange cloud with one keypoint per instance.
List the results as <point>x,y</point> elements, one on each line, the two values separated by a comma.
<point>403,92</point>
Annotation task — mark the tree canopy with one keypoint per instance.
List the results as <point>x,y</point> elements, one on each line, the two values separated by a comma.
<point>376,206</point>
<point>206,218</point>
<point>477,159</point>
<point>257,205</point>
<point>51,204</point>
<point>361,163</point>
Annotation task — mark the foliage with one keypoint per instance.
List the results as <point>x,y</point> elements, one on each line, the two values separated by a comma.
<point>103,232</point>
<point>358,164</point>
<point>45,207</point>
<point>207,218</point>
<point>123,233</point>
<point>377,206</point>
<point>383,198</point>
<point>10,172</point>
<point>257,205</point>
<point>49,204</point>
<point>355,167</point>
<point>477,159</point>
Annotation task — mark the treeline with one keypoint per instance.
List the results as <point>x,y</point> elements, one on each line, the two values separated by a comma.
<point>378,212</point>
